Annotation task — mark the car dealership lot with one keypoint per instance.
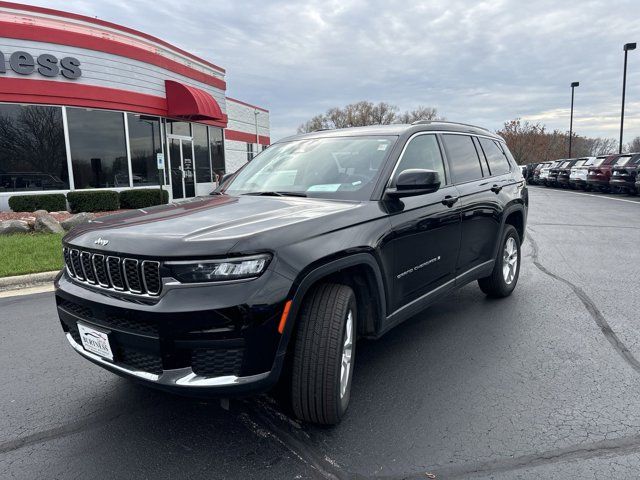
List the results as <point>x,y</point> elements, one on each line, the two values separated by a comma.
<point>542,384</point>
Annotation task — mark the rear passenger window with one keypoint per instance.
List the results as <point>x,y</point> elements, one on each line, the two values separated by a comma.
<point>463,158</point>
<point>498,163</point>
<point>422,152</point>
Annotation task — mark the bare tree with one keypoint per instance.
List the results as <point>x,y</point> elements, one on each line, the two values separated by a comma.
<point>634,145</point>
<point>364,113</point>
<point>420,113</point>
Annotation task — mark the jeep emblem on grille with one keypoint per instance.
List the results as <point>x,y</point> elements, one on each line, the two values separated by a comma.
<point>101,241</point>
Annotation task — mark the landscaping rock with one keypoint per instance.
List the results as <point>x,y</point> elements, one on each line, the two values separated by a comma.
<point>38,213</point>
<point>47,224</point>
<point>76,220</point>
<point>14,226</point>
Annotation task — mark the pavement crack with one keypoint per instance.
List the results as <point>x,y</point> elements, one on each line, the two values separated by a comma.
<point>591,307</point>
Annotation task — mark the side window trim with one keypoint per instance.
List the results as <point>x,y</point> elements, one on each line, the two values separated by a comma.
<point>482,155</point>
<point>404,148</point>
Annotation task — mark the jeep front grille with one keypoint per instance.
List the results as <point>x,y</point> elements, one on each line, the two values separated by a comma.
<point>114,272</point>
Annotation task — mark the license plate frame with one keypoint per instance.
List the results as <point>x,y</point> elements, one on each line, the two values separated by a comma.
<point>95,340</point>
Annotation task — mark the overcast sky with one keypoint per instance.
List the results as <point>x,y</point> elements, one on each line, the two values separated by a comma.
<point>477,62</point>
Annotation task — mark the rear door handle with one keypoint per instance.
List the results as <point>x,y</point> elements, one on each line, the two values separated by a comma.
<point>449,201</point>
<point>496,189</point>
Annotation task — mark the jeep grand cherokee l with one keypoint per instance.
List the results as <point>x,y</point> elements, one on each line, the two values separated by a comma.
<point>623,174</point>
<point>321,239</point>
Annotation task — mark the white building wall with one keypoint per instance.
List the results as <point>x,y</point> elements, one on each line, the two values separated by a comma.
<point>248,120</point>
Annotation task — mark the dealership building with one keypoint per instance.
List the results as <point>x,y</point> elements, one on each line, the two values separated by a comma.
<point>87,104</point>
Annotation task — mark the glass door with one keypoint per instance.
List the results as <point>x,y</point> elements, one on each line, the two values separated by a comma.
<point>183,181</point>
<point>187,169</point>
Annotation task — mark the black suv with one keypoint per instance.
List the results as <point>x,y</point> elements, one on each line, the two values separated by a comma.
<point>322,239</point>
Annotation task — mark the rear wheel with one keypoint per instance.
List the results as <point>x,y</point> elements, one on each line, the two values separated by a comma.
<point>324,350</point>
<point>506,270</point>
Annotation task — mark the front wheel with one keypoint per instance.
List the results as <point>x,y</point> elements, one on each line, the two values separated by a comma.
<point>504,277</point>
<point>323,354</point>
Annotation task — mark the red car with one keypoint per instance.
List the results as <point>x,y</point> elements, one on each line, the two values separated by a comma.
<point>600,173</point>
<point>624,173</point>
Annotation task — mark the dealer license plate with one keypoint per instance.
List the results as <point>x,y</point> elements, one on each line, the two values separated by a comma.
<point>95,341</point>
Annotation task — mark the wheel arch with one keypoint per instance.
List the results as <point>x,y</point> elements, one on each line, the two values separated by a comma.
<point>362,272</point>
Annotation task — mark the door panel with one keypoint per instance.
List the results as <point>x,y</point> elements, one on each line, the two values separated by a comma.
<point>425,241</point>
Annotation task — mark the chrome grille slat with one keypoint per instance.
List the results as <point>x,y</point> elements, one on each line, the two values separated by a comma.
<point>112,272</point>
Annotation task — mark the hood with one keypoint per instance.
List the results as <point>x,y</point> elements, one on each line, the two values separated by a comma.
<point>211,225</point>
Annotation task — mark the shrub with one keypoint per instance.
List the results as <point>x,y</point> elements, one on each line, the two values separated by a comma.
<point>93,201</point>
<point>143,198</point>
<point>52,202</point>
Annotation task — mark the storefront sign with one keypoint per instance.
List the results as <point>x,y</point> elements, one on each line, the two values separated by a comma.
<point>46,65</point>
<point>160,159</point>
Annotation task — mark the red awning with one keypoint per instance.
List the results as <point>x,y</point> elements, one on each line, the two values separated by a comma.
<point>191,103</point>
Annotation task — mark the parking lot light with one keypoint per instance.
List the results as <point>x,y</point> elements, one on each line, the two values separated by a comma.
<point>573,86</point>
<point>627,47</point>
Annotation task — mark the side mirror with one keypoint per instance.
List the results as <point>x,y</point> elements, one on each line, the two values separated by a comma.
<point>415,182</point>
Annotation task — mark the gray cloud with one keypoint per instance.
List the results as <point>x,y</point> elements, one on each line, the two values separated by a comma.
<point>482,62</point>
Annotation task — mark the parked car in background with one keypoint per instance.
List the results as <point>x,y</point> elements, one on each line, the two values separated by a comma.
<point>544,172</point>
<point>528,172</point>
<point>538,170</point>
<point>624,174</point>
<point>578,175</point>
<point>552,177</point>
<point>564,172</point>
<point>638,179</point>
<point>599,174</point>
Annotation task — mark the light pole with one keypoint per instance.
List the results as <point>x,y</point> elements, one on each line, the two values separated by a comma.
<point>627,47</point>
<point>573,86</point>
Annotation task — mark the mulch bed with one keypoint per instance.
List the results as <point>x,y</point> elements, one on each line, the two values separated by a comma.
<point>60,216</point>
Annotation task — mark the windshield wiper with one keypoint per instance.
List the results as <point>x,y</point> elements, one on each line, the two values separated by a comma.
<point>277,194</point>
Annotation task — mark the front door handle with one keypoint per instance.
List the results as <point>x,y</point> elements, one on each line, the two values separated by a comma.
<point>449,201</point>
<point>496,189</point>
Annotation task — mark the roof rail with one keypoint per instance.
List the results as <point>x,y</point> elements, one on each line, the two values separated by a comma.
<point>427,122</point>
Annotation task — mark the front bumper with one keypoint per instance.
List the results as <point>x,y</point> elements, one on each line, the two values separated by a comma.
<point>197,341</point>
<point>598,181</point>
<point>622,182</point>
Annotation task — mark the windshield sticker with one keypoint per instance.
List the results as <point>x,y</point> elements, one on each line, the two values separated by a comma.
<point>383,146</point>
<point>328,187</point>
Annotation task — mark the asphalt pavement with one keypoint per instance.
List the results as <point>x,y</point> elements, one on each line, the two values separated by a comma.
<point>543,384</point>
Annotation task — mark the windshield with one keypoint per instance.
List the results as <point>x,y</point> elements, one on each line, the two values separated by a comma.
<point>622,160</point>
<point>599,161</point>
<point>333,167</point>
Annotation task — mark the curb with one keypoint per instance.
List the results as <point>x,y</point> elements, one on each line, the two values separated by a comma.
<point>30,280</point>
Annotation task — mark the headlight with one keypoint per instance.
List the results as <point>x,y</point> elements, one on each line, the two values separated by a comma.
<point>220,270</point>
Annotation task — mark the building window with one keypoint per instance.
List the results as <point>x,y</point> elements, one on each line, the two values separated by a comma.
<point>216,146</point>
<point>32,149</point>
<point>175,127</point>
<point>98,148</point>
<point>249,152</point>
<point>145,142</point>
<point>201,153</point>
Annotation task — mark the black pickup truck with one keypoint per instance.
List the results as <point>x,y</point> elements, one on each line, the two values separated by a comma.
<point>322,239</point>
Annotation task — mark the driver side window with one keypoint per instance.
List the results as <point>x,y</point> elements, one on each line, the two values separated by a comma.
<point>422,152</point>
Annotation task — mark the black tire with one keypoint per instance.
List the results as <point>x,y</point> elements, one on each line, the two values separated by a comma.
<point>495,285</point>
<point>317,354</point>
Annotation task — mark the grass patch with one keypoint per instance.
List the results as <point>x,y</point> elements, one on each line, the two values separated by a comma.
<point>30,253</point>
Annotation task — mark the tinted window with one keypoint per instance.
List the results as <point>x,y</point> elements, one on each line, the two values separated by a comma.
<point>422,152</point>
<point>144,143</point>
<point>216,144</point>
<point>201,150</point>
<point>498,163</point>
<point>174,127</point>
<point>32,150</point>
<point>463,158</point>
<point>98,148</point>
